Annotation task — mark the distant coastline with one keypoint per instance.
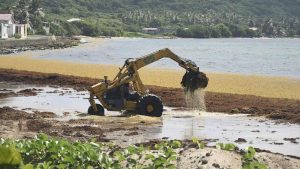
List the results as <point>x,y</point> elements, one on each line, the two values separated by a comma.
<point>37,42</point>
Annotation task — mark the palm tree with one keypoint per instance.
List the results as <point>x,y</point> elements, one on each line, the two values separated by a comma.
<point>21,14</point>
<point>36,14</point>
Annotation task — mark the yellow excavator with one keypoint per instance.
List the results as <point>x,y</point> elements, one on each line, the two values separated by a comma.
<point>126,91</point>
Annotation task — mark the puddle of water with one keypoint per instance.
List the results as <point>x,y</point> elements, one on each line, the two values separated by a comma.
<point>15,87</point>
<point>228,128</point>
<point>258,132</point>
<point>53,99</point>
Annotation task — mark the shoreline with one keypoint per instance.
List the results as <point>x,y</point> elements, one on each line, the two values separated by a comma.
<point>175,37</point>
<point>35,43</point>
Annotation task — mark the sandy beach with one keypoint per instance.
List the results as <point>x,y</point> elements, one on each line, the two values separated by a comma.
<point>265,86</point>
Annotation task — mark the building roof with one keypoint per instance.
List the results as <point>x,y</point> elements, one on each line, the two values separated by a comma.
<point>74,20</point>
<point>150,29</point>
<point>5,17</point>
<point>253,28</point>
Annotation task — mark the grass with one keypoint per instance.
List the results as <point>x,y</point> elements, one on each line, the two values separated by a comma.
<point>274,87</point>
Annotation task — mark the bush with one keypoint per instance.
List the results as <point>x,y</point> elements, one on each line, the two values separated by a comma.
<point>70,29</point>
<point>30,31</point>
<point>215,32</point>
<point>224,30</point>
<point>88,29</point>
<point>184,33</point>
<point>40,31</point>
<point>237,31</point>
<point>111,32</point>
<point>199,31</point>
<point>57,30</point>
<point>155,23</point>
<point>132,28</point>
<point>17,36</point>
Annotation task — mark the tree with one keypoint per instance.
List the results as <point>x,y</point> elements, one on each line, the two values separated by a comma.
<point>21,14</point>
<point>155,23</point>
<point>35,6</point>
<point>252,33</point>
<point>199,31</point>
<point>215,32</point>
<point>224,30</point>
<point>268,28</point>
<point>251,23</point>
<point>184,33</point>
<point>57,29</point>
<point>236,30</point>
<point>71,29</point>
<point>30,14</point>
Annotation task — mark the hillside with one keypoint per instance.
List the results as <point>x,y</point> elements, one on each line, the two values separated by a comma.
<point>171,15</point>
<point>254,8</point>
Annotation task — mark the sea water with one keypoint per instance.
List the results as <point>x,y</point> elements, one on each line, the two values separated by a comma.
<point>262,56</point>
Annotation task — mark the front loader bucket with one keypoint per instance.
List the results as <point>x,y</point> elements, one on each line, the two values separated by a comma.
<point>192,81</point>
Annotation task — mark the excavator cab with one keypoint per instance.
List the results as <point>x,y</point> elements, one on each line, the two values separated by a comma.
<point>117,97</point>
<point>127,92</point>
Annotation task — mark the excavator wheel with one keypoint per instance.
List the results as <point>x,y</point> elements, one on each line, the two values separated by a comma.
<point>100,111</point>
<point>150,105</point>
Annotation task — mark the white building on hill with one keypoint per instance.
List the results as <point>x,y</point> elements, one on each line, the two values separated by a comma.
<point>151,30</point>
<point>9,29</point>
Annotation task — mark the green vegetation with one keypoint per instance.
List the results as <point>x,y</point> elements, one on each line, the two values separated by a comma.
<point>199,143</point>
<point>184,18</point>
<point>217,31</point>
<point>248,159</point>
<point>227,147</point>
<point>17,36</point>
<point>44,152</point>
<point>249,162</point>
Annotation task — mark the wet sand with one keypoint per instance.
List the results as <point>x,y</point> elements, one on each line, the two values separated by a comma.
<point>124,131</point>
<point>274,108</point>
<point>26,120</point>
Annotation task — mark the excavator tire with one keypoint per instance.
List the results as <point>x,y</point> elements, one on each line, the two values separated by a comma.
<point>100,111</point>
<point>150,105</point>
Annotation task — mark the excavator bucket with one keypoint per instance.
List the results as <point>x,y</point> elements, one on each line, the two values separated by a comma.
<point>192,81</point>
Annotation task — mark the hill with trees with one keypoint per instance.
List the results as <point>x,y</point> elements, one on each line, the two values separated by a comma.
<point>184,18</point>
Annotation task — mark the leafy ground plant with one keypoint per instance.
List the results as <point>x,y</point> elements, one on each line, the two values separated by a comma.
<point>10,158</point>
<point>227,147</point>
<point>249,162</point>
<point>200,144</point>
<point>44,152</point>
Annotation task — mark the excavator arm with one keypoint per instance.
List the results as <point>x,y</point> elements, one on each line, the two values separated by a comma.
<point>192,80</point>
<point>165,53</point>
